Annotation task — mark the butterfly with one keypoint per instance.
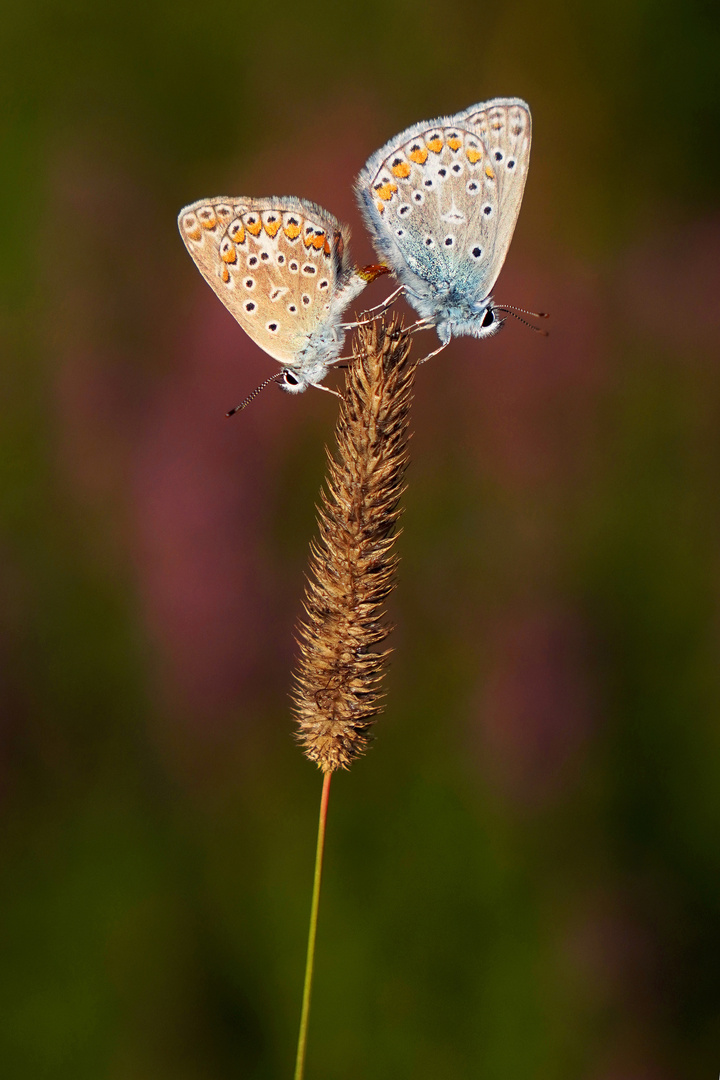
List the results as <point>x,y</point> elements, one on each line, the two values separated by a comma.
<point>281,267</point>
<point>441,201</point>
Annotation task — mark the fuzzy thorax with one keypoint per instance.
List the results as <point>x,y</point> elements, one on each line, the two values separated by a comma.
<point>455,315</point>
<point>326,342</point>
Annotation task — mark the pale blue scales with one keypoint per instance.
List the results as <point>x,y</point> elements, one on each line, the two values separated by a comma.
<point>441,201</point>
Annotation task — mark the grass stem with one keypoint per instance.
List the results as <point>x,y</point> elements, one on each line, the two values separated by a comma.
<point>310,962</point>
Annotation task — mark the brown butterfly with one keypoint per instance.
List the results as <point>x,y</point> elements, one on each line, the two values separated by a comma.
<point>281,266</point>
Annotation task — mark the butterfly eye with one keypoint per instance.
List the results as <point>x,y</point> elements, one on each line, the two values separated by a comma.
<point>290,379</point>
<point>488,318</point>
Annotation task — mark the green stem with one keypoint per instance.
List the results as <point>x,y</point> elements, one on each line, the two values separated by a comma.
<point>307,988</point>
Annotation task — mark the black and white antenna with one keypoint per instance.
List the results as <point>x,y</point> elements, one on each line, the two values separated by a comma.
<point>256,391</point>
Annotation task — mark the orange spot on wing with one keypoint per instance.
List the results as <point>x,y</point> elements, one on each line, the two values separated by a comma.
<point>195,234</point>
<point>381,207</point>
<point>208,222</point>
<point>435,145</point>
<point>318,241</point>
<point>225,274</point>
<point>271,227</point>
<point>229,256</point>
<point>292,231</point>
<point>254,227</point>
<point>454,143</point>
<point>239,235</point>
<point>386,191</point>
<point>326,246</point>
<point>419,156</point>
<point>489,172</point>
<point>473,155</point>
<point>402,170</point>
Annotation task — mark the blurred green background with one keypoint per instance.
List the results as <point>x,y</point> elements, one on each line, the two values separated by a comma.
<point>523,876</point>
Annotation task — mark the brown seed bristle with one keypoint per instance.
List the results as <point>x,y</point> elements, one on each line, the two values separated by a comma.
<point>352,565</point>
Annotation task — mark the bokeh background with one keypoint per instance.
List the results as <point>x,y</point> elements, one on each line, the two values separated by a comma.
<point>523,876</point>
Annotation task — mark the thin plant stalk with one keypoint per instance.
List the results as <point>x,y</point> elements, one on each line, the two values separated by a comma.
<point>351,574</point>
<point>310,961</point>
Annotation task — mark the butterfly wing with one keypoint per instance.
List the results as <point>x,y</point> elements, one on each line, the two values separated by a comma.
<point>439,203</point>
<point>505,127</point>
<point>276,263</point>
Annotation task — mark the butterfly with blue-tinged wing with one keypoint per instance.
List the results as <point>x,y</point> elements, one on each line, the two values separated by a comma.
<point>441,201</point>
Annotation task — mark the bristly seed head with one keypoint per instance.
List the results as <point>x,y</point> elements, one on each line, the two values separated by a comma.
<point>352,565</point>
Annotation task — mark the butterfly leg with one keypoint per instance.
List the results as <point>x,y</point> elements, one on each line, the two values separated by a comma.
<point>430,355</point>
<point>421,324</point>
<point>353,325</point>
<point>319,386</point>
<point>388,302</point>
<point>376,311</point>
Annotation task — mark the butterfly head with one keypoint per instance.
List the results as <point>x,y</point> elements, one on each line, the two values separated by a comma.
<point>478,319</point>
<point>295,381</point>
